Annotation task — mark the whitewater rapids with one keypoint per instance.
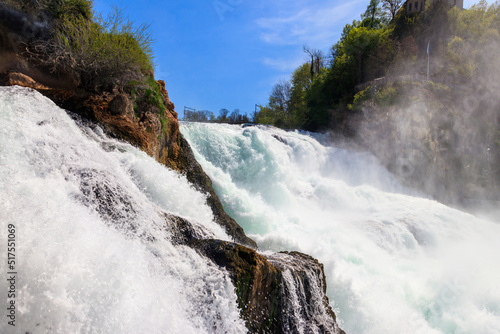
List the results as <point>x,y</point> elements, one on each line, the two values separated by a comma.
<point>93,254</point>
<point>395,261</point>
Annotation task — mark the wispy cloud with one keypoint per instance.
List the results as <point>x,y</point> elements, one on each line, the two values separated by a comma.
<point>285,64</point>
<point>316,25</point>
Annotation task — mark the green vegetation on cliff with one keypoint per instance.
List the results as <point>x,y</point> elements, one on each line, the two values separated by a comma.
<point>375,47</point>
<point>58,9</point>
<point>100,51</point>
<point>419,91</point>
<point>318,93</point>
<point>67,37</point>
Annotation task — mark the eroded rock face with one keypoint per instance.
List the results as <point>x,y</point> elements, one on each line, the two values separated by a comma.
<point>120,105</point>
<point>305,307</point>
<point>170,105</point>
<point>150,122</point>
<point>257,282</point>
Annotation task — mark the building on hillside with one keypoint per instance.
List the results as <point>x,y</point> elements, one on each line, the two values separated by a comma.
<point>416,6</point>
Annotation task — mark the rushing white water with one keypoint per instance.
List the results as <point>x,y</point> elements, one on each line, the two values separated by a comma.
<point>395,262</point>
<point>92,251</point>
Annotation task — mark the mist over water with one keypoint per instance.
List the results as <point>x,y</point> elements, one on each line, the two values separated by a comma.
<point>94,253</point>
<point>395,261</point>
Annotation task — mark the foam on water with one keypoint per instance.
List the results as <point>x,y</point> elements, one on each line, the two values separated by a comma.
<point>93,254</point>
<point>395,262</point>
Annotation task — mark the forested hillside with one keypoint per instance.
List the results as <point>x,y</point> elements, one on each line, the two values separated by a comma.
<point>418,90</point>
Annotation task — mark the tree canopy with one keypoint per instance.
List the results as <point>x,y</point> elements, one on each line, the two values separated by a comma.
<point>386,41</point>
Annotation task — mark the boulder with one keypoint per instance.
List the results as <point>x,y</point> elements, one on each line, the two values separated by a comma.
<point>121,105</point>
<point>23,80</point>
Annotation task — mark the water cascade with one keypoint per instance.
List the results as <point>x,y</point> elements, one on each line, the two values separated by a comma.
<point>395,261</point>
<point>305,308</point>
<point>107,240</point>
<point>94,251</point>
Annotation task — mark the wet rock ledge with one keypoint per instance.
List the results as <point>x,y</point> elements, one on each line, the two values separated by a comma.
<point>279,293</point>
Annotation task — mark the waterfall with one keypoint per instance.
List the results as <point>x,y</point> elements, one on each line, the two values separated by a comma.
<point>395,261</point>
<point>105,240</point>
<point>95,251</point>
<point>101,234</point>
<point>305,309</point>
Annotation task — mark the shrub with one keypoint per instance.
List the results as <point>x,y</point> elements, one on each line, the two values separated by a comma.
<point>57,9</point>
<point>102,51</point>
<point>386,96</point>
<point>360,98</point>
<point>61,9</point>
<point>153,95</point>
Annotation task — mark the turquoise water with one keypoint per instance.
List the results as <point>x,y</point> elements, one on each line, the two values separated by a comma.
<point>395,261</point>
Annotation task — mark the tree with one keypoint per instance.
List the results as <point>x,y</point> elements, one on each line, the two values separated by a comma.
<point>337,47</point>
<point>234,116</point>
<point>237,118</point>
<point>391,7</point>
<point>302,80</point>
<point>211,117</point>
<point>277,111</point>
<point>318,60</point>
<point>280,96</point>
<point>223,115</point>
<point>361,45</point>
<point>193,115</point>
<point>373,18</point>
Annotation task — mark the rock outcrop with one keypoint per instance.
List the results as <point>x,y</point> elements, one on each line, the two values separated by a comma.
<point>279,293</point>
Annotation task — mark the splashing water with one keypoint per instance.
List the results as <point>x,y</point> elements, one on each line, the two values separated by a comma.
<point>395,262</point>
<point>93,251</point>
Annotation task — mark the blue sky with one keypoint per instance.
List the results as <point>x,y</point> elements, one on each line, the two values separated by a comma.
<point>217,54</point>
